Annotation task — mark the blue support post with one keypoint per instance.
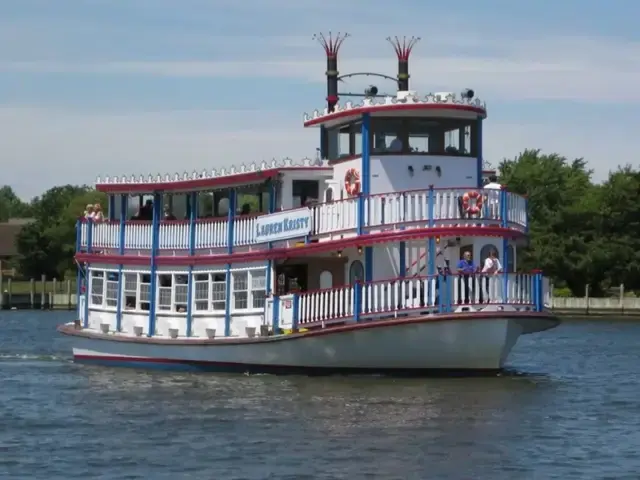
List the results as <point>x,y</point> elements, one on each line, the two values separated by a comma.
<point>402,259</point>
<point>505,272</point>
<point>504,221</point>
<point>271,209</point>
<point>365,174</point>
<point>480,160</point>
<point>534,290</point>
<point>431,207</point>
<point>78,267</point>
<point>357,300</point>
<point>87,295</point>
<point>193,216</point>
<point>276,314</point>
<point>227,305</point>
<point>231,216</point>
<point>295,312</point>
<point>155,243</point>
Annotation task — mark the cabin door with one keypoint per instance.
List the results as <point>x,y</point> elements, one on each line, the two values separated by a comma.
<point>291,278</point>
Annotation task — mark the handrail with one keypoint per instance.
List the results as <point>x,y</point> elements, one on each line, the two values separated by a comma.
<point>433,207</point>
<point>444,293</point>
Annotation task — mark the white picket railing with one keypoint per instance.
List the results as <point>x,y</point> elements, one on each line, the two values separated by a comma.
<point>435,294</point>
<point>413,209</point>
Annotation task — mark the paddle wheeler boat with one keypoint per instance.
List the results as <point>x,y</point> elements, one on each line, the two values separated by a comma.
<point>344,263</point>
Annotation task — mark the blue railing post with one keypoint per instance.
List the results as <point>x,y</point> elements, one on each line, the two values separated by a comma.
<point>539,290</point>
<point>505,270</point>
<point>357,300</point>
<point>360,224</point>
<point>503,208</point>
<point>124,200</point>
<point>87,295</point>
<point>276,314</point>
<point>448,285</point>
<point>431,206</point>
<point>441,287</point>
<point>89,235</point>
<point>231,214</point>
<point>295,314</point>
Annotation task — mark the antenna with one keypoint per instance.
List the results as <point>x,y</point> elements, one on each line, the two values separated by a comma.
<point>331,45</point>
<point>403,50</point>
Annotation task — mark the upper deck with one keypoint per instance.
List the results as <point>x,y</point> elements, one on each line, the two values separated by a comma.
<point>431,208</point>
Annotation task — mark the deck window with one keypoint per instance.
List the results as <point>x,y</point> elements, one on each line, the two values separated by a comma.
<point>111,299</point>
<point>131,291</point>
<point>219,291</point>
<point>97,287</point>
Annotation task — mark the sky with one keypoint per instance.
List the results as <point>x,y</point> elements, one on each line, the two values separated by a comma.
<point>111,87</point>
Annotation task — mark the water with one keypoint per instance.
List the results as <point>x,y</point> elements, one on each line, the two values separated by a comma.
<point>569,409</point>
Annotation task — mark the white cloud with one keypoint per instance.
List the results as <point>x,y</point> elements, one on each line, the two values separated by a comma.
<point>562,68</point>
<point>42,148</point>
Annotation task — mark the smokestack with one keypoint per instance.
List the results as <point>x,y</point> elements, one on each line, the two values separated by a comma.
<point>331,47</point>
<point>403,51</point>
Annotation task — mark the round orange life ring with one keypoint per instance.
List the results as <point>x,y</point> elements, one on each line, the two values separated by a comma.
<point>352,182</point>
<point>475,207</point>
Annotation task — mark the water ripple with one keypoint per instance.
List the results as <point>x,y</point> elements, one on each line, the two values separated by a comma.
<point>565,408</point>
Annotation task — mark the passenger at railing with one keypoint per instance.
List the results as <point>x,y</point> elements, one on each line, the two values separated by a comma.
<point>98,215</point>
<point>492,196</point>
<point>492,267</point>
<point>168,216</point>
<point>88,212</point>
<point>466,268</point>
<point>246,209</point>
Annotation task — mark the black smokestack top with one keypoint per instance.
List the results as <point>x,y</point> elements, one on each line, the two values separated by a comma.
<point>331,45</point>
<point>403,51</point>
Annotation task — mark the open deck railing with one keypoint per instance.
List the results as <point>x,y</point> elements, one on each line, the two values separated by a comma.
<point>428,295</point>
<point>380,212</point>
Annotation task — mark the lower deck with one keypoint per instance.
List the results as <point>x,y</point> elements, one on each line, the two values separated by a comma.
<point>276,297</point>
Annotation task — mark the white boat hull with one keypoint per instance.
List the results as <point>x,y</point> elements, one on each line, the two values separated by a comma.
<point>427,343</point>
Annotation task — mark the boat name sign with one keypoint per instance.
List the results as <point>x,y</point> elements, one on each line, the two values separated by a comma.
<point>283,225</point>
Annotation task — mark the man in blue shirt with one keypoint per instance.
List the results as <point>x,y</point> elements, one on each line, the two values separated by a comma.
<point>466,268</point>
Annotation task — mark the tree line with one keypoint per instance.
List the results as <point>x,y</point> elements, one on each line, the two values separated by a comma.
<point>581,232</point>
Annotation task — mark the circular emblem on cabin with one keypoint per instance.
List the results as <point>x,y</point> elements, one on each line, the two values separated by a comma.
<point>352,182</point>
<point>472,202</point>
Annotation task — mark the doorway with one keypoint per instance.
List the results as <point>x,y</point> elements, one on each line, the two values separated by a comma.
<point>291,278</point>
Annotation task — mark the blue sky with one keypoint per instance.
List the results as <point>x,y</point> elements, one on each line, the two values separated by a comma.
<point>95,87</point>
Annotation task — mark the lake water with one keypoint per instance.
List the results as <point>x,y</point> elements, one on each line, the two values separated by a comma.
<point>568,409</point>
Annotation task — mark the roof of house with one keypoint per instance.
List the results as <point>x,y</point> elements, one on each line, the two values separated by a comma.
<point>8,233</point>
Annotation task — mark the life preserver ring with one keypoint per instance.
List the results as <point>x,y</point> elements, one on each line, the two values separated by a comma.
<point>475,207</point>
<point>352,182</point>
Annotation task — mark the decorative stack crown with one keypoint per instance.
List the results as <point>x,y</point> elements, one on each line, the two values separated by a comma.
<point>331,45</point>
<point>403,51</point>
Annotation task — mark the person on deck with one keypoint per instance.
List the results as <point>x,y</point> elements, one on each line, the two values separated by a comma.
<point>491,268</point>
<point>466,269</point>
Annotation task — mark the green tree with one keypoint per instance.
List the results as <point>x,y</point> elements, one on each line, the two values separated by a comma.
<point>11,206</point>
<point>580,233</point>
<point>47,245</point>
